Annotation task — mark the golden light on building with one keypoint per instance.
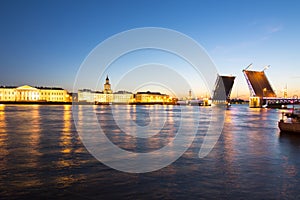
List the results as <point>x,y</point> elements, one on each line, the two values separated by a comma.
<point>107,96</point>
<point>121,97</point>
<point>152,97</point>
<point>97,97</point>
<point>28,93</point>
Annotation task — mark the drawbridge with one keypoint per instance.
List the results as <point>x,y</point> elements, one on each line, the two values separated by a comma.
<point>262,93</point>
<point>258,84</point>
<point>223,87</point>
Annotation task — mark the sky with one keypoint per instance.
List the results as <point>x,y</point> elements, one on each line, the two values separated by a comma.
<point>44,43</point>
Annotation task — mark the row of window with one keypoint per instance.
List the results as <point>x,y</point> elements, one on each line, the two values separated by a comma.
<point>33,93</point>
<point>5,92</point>
<point>33,98</point>
<point>52,93</point>
<point>122,98</point>
<point>7,98</point>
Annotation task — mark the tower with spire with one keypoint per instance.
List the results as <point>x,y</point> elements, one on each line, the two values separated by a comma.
<point>107,86</point>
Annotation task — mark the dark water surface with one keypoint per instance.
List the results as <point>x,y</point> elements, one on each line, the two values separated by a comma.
<point>42,156</point>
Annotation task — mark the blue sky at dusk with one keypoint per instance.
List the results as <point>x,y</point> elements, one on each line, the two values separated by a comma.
<point>43,43</point>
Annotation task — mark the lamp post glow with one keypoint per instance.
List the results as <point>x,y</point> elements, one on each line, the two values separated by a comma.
<point>263,94</point>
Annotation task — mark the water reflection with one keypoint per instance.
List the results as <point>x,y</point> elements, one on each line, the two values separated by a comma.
<point>291,138</point>
<point>289,149</point>
<point>68,146</point>
<point>3,142</point>
<point>35,125</point>
<point>3,131</point>
<point>230,141</point>
<point>66,135</point>
<point>123,123</point>
<point>43,157</point>
<point>22,129</point>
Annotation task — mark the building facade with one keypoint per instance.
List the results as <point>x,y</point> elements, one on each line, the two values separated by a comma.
<point>97,97</point>
<point>86,95</point>
<point>123,97</point>
<point>107,86</point>
<point>7,93</point>
<point>152,97</point>
<point>28,93</point>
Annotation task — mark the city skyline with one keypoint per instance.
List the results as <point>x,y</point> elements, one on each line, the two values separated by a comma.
<point>44,43</point>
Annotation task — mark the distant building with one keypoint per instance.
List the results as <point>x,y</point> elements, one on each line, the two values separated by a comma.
<point>86,95</point>
<point>97,97</point>
<point>7,93</point>
<point>123,97</point>
<point>152,97</point>
<point>108,96</point>
<point>28,93</point>
<point>73,96</point>
<point>107,86</point>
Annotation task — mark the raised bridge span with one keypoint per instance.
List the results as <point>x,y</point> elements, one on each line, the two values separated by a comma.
<point>262,93</point>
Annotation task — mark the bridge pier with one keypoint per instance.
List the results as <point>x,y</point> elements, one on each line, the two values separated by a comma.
<point>255,102</point>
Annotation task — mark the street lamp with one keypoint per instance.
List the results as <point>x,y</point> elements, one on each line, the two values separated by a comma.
<point>264,94</point>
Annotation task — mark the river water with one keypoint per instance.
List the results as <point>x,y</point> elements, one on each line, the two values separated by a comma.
<point>43,157</point>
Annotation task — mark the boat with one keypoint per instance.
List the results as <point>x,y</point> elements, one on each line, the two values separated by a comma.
<point>290,122</point>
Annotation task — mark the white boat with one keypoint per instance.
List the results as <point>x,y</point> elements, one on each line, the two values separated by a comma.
<point>290,122</point>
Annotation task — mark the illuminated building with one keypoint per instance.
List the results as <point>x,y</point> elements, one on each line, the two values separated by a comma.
<point>97,97</point>
<point>123,97</point>
<point>54,94</point>
<point>7,93</point>
<point>152,97</point>
<point>107,87</point>
<point>28,93</point>
<point>86,95</point>
<point>107,92</point>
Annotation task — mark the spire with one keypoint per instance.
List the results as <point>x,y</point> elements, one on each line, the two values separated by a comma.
<point>107,88</point>
<point>107,80</point>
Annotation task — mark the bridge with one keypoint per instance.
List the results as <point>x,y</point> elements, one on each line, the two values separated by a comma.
<point>280,102</point>
<point>223,87</point>
<point>259,84</point>
<point>262,93</point>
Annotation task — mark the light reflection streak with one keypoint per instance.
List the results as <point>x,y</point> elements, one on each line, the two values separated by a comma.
<point>35,133</point>
<point>230,146</point>
<point>66,135</point>
<point>245,159</point>
<point>67,149</point>
<point>31,129</point>
<point>3,139</point>
<point>130,142</point>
